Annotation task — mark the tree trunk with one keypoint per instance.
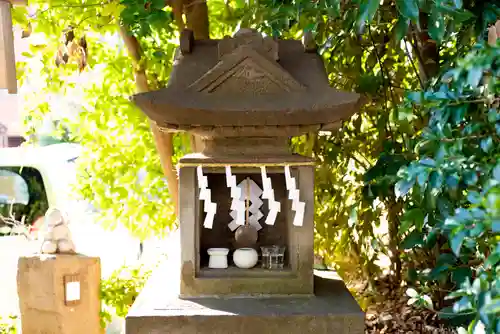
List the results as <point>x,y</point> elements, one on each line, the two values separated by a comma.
<point>196,12</point>
<point>7,56</point>
<point>163,140</point>
<point>426,50</point>
<point>197,20</point>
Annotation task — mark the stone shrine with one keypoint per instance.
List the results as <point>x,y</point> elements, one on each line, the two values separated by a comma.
<point>246,203</point>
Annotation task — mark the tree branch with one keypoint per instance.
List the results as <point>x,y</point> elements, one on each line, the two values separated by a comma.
<point>177,9</point>
<point>412,62</point>
<point>163,140</point>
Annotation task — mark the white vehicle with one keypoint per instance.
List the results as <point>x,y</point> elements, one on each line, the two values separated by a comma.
<point>32,179</point>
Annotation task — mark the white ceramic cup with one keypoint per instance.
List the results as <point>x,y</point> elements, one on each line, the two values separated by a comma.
<point>245,258</point>
<point>218,258</point>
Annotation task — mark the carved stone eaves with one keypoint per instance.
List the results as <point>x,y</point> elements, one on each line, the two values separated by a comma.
<point>266,46</point>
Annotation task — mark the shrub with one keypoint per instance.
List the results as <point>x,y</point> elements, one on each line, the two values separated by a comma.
<point>451,192</point>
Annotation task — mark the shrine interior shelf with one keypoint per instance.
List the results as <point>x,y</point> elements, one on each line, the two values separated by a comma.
<point>236,272</point>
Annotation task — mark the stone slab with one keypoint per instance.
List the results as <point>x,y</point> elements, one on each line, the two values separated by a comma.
<point>41,280</point>
<point>331,310</point>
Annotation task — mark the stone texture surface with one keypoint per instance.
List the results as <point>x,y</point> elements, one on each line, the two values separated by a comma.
<point>205,160</point>
<point>42,297</point>
<point>247,80</point>
<point>332,310</point>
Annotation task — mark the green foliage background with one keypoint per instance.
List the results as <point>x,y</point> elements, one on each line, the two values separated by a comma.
<point>381,180</point>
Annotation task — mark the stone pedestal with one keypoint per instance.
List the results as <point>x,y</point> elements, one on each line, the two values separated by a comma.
<point>158,309</point>
<point>59,294</point>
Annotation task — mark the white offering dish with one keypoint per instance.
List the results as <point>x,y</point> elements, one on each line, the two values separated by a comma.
<point>218,258</point>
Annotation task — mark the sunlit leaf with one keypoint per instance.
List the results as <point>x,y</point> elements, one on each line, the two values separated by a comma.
<point>408,8</point>
<point>456,241</point>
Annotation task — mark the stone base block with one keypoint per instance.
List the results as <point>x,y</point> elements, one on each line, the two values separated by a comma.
<point>49,305</point>
<point>332,310</point>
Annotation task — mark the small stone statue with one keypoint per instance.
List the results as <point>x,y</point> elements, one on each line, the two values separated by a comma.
<point>57,238</point>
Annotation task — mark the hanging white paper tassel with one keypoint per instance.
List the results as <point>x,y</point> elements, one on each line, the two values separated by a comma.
<point>209,207</point>
<point>237,205</point>
<point>294,195</point>
<point>268,193</point>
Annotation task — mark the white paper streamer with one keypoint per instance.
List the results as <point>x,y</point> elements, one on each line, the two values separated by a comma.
<point>268,193</point>
<point>209,207</point>
<point>238,205</point>
<point>294,195</point>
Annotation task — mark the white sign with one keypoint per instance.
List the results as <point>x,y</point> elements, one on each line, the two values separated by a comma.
<point>72,291</point>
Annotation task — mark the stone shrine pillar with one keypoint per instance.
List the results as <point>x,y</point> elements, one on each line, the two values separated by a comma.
<point>59,294</point>
<point>59,291</point>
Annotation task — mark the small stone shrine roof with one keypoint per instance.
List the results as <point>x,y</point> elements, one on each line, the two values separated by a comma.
<point>246,80</point>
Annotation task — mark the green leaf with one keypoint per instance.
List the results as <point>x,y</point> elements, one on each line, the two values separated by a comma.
<point>459,275</point>
<point>474,76</point>
<point>492,260</point>
<point>463,305</point>
<point>474,197</point>
<point>456,242</point>
<point>428,162</point>
<point>470,177</point>
<point>27,54</point>
<point>401,28</point>
<point>436,180</point>
<point>493,307</point>
<point>412,301</point>
<point>447,259</point>
<point>487,144</point>
<point>158,4</point>
<point>410,292</point>
<point>310,27</point>
<point>367,10</point>
<point>452,181</point>
<point>437,26</point>
<point>493,115</point>
<point>447,313</point>
<point>458,4</point>
<point>422,177</point>
<point>427,302</point>
<point>458,113</point>
<point>495,225</point>
<point>431,238</point>
<point>409,9</point>
<point>414,217</point>
<point>413,239</point>
<point>439,272</point>
<point>415,97</point>
<point>403,187</point>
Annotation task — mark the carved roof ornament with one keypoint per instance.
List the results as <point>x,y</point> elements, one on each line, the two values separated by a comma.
<point>186,41</point>
<point>248,85</point>
<point>266,46</point>
<point>309,42</point>
<point>245,63</point>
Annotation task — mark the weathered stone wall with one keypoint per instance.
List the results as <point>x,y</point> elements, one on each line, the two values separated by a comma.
<point>41,289</point>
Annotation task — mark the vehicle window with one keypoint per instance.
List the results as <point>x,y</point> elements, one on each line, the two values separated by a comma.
<point>33,205</point>
<point>13,188</point>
